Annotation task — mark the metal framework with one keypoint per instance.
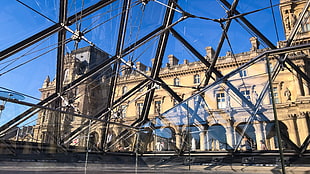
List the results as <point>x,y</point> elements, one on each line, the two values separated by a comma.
<point>163,31</point>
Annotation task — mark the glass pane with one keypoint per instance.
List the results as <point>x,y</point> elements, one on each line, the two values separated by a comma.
<point>135,89</point>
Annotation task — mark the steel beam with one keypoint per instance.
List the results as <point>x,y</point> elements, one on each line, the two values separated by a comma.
<point>250,26</point>
<point>224,79</point>
<point>132,46</point>
<point>52,29</point>
<point>63,10</point>
<point>24,116</point>
<point>305,145</point>
<point>157,61</point>
<point>29,41</point>
<point>87,11</point>
<point>220,44</point>
<point>169,90</point>
<point>105,111</point>
<point>119,47</point>
<point>52,97</point>
<point>267,41</point>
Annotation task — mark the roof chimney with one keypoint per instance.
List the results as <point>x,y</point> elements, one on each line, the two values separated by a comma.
<point>140,66</point>
<point>173,60</point>
<point>209,52</point>
<point>255,43</point>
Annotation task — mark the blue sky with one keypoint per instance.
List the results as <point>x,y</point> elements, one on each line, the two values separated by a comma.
<point>19,22</point>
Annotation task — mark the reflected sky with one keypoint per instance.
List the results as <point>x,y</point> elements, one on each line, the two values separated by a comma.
<point>25,72</point>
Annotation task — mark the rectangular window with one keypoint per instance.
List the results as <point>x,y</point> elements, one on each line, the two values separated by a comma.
<point>243,73</point>
<point>157,108</point>
<point>275,95</point>
<point>123,110</point>
<point>196,79</point>
<point>246,94</point>
<point>139,108</point>
<point>305,26</point>
<point>221,101</point>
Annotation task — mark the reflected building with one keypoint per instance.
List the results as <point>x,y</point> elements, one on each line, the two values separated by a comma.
<point>217,118</point>
<point>225,114</point>
<point>87,98</point>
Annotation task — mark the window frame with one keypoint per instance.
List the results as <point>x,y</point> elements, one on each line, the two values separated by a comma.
<point>124,89</point>
<point>243,73</point>
<point>196,79</point>
<point>139,108</point>
<point>221,99</point>
<point>123,109</point>
<point>305,25</point>
<point>156,106</point>
<point>176,81</point>
<point>247,94</point>
<point>276,95</point>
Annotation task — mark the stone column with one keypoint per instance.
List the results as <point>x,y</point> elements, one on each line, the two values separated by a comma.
<point>258,126</point>
<point>305,85</point>
<point>297,85</point>
<point>178,140</point>
<point>230,136</point>
<point>202,136</point>
<point>302,123</point>
<point>272,143</point>
<point>207,141</point>
<point>306,88</point>
<point>293,129</point>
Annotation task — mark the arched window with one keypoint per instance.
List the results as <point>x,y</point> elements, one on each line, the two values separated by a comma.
<point>66,75</point>
<point>216,138</point>
<point>196,79</point>
<point>176,81</point>
<point>124,90</point>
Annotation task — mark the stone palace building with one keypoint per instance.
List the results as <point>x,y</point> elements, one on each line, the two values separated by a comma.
<point>217,119</point>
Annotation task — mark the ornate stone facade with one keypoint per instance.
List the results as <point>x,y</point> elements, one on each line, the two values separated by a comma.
<point>86,99</point>
<point>229,117</point>
<point>224,117</point>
